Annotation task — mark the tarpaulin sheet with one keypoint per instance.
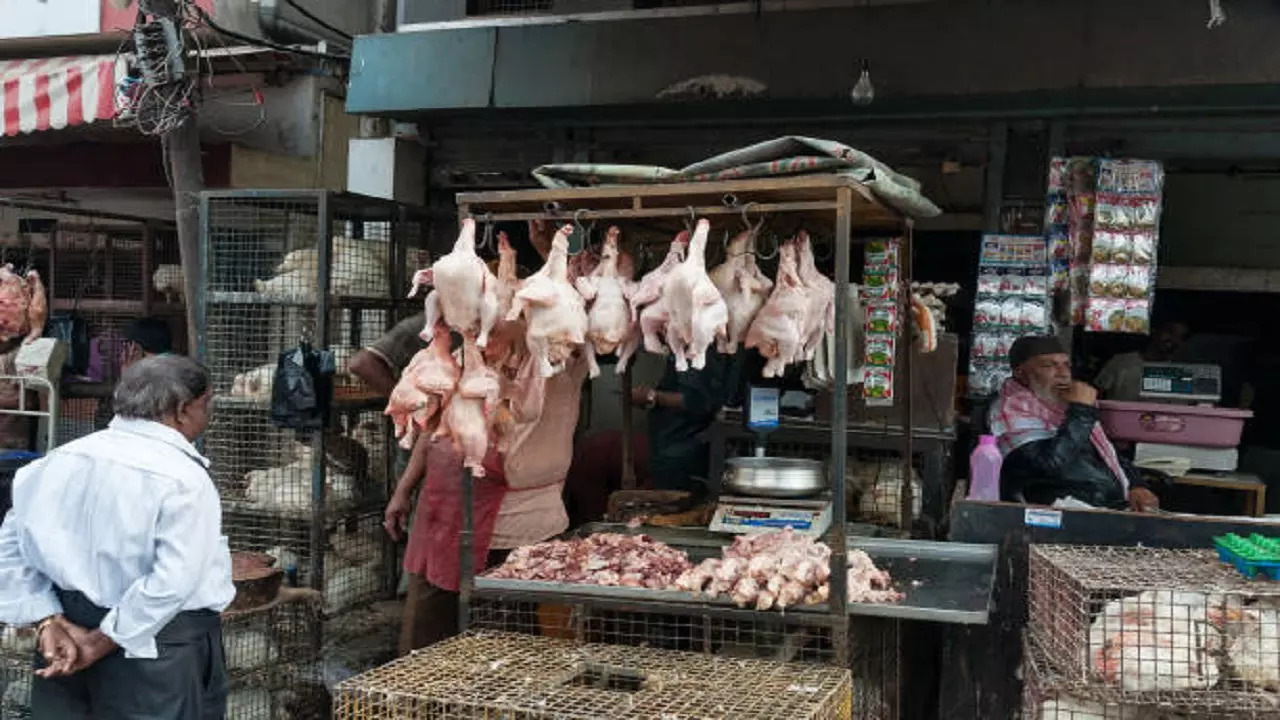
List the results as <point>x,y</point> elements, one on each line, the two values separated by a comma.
<point>785,156</point>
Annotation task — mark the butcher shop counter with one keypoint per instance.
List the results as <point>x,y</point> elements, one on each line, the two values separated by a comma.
<point>943,582</point>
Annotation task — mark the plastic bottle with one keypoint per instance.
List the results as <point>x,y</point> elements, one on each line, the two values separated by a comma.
<point>984,470</point>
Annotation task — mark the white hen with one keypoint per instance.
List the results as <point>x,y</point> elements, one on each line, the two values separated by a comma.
<point>743,286</point>
<point>465,294</point>
<point>552,309</point>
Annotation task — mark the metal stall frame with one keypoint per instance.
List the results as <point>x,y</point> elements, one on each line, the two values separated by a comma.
<point>857,213</point>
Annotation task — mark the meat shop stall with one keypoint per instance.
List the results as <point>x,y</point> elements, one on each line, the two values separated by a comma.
<point>804,597</point>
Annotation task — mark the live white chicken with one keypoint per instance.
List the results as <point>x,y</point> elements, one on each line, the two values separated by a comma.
<point>778,330</point>
<point>743,286</point>
<point>697,315</point>
<point>609,324</point>
<point>465,293</point>
<point>552,309</point>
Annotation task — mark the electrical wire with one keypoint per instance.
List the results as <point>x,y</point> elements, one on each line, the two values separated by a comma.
<point>208,21</point>
<point>310,16</point>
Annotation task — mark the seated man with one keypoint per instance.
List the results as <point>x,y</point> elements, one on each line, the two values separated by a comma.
<point>1054,447</point>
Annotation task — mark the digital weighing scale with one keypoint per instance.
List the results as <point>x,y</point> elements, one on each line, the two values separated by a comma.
<point>1181,384</point>
<point>745,514</point>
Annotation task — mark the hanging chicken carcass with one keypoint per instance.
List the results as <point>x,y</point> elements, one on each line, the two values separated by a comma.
<point>552,309</point>
<point>777,331</point>
<point>424,388</point>
<point>609,323</point>
<point>820,317</point>
<point>465,293</point>
<point>38,308</point>
<point>697,315</point>
<point>586,261</point>
<point>15,297</point>
<point>743,286</point>
<point>647,302</point>
<point>465,419</point>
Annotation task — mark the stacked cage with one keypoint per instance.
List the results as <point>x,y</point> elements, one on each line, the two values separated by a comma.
<point>270,655</point>
<point>285,270</point>
<point>719,632</point>
<point>493,674</point>
<point>1148,634</point>
<point>109,272</point>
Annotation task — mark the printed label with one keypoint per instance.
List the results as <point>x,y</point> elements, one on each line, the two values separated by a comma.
<point>1035,517</point>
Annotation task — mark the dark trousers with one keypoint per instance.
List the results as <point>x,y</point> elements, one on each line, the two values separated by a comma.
<point>431,613</point>
<point>187,681</point>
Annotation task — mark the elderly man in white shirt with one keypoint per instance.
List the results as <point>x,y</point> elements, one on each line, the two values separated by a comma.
<point>114,542</point>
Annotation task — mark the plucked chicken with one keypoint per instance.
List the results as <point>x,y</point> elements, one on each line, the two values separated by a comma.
<point>15,296</point>
<point>609,324</point>
<point>585,262</point>
<point>38,308</point>
<point>697,315</point>
<point>466,417</point>
<point>424,388</point>
<point>552,309</point>
<point>508,275</point>
<point>610,559</point>
<point>743,286</point>
<point>820,316</point>
<point>465,293</point>
<point>782,569</point>
<point>647,300</point>
<point>778,330</point>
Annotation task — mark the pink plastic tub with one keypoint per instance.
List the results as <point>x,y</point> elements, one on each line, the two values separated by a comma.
<point>1173,424</point>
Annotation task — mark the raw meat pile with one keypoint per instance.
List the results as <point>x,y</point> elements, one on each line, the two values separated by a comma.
<point>23,304</point>
<point>782,569</point>
<point>610,559</point>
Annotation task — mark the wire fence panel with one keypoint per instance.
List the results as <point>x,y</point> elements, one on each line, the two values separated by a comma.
<point>777,637</point>
<point>331,271</point>
<point>1143,626</point>
<point>493,674</point>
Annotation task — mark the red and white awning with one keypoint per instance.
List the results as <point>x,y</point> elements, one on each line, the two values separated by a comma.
<point>53,93</point>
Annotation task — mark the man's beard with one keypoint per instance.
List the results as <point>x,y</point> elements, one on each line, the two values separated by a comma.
<point>1048,395</point>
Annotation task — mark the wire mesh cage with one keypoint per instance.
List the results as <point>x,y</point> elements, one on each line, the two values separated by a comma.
<point>328,269</point>
<point>488,674</point>
<point>873,479</point>
<point>724,633</point>
<point>1168,627</point>
<point>271,657</point>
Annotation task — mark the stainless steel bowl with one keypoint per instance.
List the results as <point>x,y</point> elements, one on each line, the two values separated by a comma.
<point>774,477</point>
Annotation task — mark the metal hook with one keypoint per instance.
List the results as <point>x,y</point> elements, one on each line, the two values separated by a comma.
<point>831,249</point>
<point>693,219</point>
<point>487,242</point>
<point>583,231</point>
<point>746,219</point>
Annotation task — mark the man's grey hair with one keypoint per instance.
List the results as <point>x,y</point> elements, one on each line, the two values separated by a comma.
<point>156,387</point>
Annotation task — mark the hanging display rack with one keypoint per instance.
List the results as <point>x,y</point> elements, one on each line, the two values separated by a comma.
<point>844,206</point>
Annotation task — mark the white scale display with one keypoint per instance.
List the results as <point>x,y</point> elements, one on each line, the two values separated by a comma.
<point>743,515</point>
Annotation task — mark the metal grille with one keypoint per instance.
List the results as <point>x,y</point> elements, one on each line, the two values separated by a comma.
<point>517,676</point>
<point>508,7</point>
<point>791,638</point>
<point>271,656</point>
<point>268,253</point>
<point>1148,626</point>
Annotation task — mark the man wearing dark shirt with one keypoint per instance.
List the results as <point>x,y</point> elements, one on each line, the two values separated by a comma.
<point>1047,427</point>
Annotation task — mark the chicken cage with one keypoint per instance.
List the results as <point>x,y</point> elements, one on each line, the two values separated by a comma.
<point>790,637</point>
<point>494,674</point>
<point>329,270</point>
<point>107,270</point>
<point>271,658</point>
<point>1143,626</point>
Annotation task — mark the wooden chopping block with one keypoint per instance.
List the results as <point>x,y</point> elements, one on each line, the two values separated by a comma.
<point>627,504</point>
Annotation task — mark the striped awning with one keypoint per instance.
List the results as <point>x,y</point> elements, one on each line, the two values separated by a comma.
<point>53,93</point>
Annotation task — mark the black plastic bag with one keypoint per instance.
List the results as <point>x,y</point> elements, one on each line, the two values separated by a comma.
<point>302,390</point>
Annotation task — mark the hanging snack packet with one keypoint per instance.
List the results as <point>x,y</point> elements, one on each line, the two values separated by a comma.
<point>1137,316</point>
<point>882,318</point>
<point>1144,246</point>
<point>879,350</point>
<point>1138,281</point>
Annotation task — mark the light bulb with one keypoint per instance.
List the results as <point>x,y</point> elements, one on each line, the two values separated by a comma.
<point>863,92</point>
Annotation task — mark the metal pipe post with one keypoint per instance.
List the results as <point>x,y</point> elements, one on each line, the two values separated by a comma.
<point>628,465</point>
<point>908,431</point>
<point>321,338</point>
<point>839,430</point>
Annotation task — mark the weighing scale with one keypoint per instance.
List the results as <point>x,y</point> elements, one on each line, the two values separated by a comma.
<point>743,514</point>
<point>1183,384</point>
